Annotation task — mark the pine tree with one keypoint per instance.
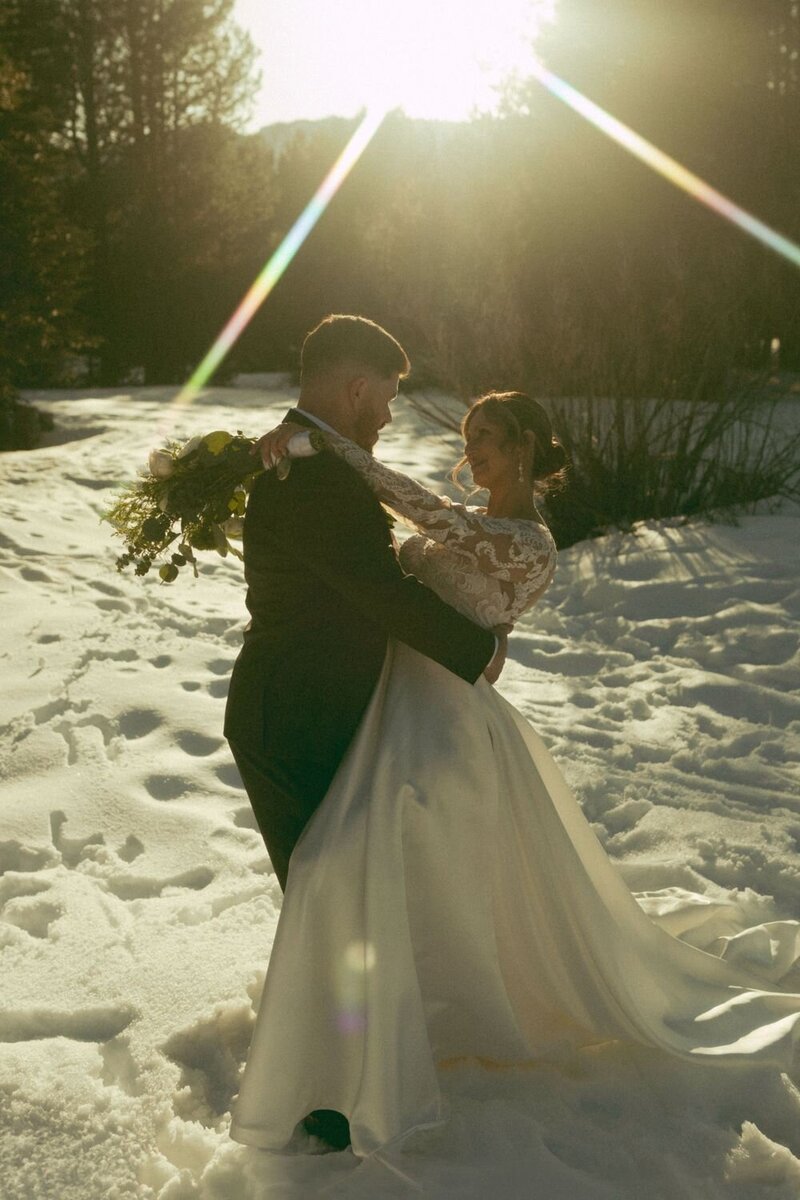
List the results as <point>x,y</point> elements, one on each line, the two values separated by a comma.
<point>139,90</point>
<point>41,252</point>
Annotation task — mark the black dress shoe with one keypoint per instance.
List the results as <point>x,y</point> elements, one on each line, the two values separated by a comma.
<point>330,1126</point>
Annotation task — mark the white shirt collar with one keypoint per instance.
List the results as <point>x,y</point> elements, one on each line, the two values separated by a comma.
<point>316,420</point>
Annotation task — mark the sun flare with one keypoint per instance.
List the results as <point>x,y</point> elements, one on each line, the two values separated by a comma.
<point>442,60</point>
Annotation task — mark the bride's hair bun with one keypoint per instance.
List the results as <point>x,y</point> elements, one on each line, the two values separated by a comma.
<point>550,459</point>
<point>518,413</point>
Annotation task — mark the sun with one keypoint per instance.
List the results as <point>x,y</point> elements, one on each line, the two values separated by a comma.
<point>432,58</point>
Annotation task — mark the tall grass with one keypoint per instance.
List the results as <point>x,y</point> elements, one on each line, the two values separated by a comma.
<point>639,458</point>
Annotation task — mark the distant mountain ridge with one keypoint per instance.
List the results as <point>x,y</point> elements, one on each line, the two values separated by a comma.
<point>281,134</point>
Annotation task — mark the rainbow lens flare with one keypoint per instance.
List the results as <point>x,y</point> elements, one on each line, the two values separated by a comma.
<point>351,985</point>
<point>666,166</point>
<point>282,256</point>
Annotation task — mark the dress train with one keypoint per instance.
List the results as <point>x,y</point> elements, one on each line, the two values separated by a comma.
<point>449,900</point>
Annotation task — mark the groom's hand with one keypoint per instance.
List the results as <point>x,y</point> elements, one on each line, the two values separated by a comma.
<point>492,672</point>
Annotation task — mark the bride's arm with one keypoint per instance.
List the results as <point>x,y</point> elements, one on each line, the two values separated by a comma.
<point>412,502</point>
<point>522,555</point>
<point>416,505</point>
<point>514,556</point>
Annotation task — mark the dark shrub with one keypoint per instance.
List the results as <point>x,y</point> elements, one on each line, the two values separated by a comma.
<point>21,425</point>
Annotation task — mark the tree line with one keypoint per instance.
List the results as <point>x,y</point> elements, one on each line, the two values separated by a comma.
<point>522,250</point>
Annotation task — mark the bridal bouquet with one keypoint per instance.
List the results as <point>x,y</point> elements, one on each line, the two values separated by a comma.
<point>193,497</point>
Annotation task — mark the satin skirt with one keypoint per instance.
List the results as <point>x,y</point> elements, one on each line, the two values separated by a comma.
<point>449,900</point>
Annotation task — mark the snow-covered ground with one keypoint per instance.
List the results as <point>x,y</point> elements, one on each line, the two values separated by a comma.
<point>137,904</point>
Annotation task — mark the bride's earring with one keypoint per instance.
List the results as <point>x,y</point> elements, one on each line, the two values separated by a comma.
<point>521,472</point>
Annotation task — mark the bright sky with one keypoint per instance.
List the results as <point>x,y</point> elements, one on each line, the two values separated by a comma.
<point>433,58</point>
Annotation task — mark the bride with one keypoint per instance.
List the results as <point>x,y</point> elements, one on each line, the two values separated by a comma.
<point>449,900</point>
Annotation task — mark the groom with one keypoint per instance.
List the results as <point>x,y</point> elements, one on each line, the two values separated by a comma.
<point>326,592</point>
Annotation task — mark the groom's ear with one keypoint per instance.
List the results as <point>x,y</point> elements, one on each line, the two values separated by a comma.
<point>356,389</point>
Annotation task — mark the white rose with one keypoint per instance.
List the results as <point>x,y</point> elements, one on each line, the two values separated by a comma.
<point>161,464</point>
<point>191,445</point>
<point>233,527</point>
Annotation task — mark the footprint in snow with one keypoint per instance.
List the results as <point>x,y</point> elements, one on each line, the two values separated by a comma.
<point>70,849</point>
<point>245,818</point>
<point>131,848</point>
<point>14,856</point>
<point>108,589</point>
<point>197,744</point>
<point>138,722</point>
<point>166,787</point>
<point>34,575</point>
<point>220,666</point>
<point>22,904</point>
<point>228,774</point>
<point>33,914</point>
<point>109,605</point>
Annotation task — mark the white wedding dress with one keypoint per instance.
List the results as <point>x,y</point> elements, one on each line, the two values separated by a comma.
<point>449,899</point>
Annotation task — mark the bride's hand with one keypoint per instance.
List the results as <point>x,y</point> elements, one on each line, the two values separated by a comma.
<point>274,446</point>
<point>495,667</point>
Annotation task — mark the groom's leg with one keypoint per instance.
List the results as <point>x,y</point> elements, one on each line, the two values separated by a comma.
<point>288,742</point>
<point>275,810</point>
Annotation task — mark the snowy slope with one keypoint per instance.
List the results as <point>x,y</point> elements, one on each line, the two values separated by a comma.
<point>137,904</point>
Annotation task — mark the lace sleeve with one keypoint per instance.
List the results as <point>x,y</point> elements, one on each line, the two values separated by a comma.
<point>512,551</point>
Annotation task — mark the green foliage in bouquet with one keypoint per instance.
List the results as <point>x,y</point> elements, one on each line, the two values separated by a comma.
<point>193,497</point>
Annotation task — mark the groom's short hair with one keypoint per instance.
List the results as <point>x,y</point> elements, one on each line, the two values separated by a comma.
<point>341,338</point>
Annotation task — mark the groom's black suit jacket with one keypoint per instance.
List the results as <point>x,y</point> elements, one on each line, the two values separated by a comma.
<point>325,591</point>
